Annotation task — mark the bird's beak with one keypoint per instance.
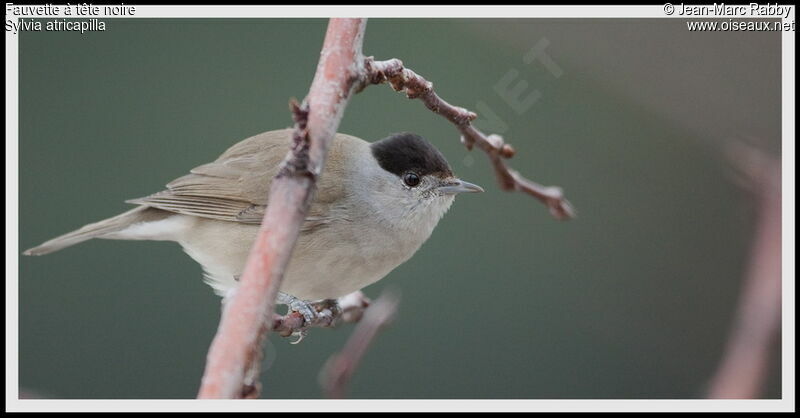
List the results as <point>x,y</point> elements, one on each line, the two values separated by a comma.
<point>459,186</point>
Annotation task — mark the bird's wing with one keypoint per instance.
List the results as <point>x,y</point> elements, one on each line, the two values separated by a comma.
<point>235,187</point>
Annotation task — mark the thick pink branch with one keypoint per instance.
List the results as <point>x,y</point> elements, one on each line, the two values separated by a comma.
<point>240,331</point>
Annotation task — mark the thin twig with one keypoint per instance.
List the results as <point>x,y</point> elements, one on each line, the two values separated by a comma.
<point>240,333</point>
<point>405,80</point>
<point>338,370</point>
<point>756,329</point>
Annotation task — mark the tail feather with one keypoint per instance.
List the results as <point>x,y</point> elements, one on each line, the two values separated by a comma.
<point>97,230</point>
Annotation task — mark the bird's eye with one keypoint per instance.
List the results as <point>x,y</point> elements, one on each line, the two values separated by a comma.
<point>411,179</point>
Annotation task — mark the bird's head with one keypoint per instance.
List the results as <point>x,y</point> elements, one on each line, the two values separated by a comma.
<point>417,185</point>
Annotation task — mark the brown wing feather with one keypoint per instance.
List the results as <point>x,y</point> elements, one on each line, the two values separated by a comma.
<point>235,187</point>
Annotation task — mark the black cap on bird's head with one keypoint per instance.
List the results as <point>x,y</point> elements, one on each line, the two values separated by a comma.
<point>411,157</point>
<point>403,152</point>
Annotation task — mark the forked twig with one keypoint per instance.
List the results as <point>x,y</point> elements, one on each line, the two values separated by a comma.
<point>331,313</point>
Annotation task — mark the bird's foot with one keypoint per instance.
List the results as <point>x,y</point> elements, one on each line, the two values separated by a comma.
<point>295,304</point>
<point>303,307</point>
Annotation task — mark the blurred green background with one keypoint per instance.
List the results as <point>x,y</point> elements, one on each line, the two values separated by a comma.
<point>633,299</point>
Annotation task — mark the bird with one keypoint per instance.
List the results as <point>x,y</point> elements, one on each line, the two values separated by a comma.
<point>376,203</point>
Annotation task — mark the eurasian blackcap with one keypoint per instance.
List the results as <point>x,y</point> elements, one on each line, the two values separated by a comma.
<point>375,204</point>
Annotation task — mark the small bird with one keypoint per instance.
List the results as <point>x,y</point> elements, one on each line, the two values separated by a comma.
<point>375,205</point>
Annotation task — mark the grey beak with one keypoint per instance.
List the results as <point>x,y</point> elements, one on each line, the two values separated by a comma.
<point>459,186</point>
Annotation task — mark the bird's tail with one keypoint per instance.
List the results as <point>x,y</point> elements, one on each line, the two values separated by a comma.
<point>98,229</point>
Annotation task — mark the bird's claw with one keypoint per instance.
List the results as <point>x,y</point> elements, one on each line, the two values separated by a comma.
<point>300,334</point>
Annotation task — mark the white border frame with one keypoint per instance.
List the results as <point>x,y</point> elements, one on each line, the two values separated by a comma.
<point>465,405</point>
